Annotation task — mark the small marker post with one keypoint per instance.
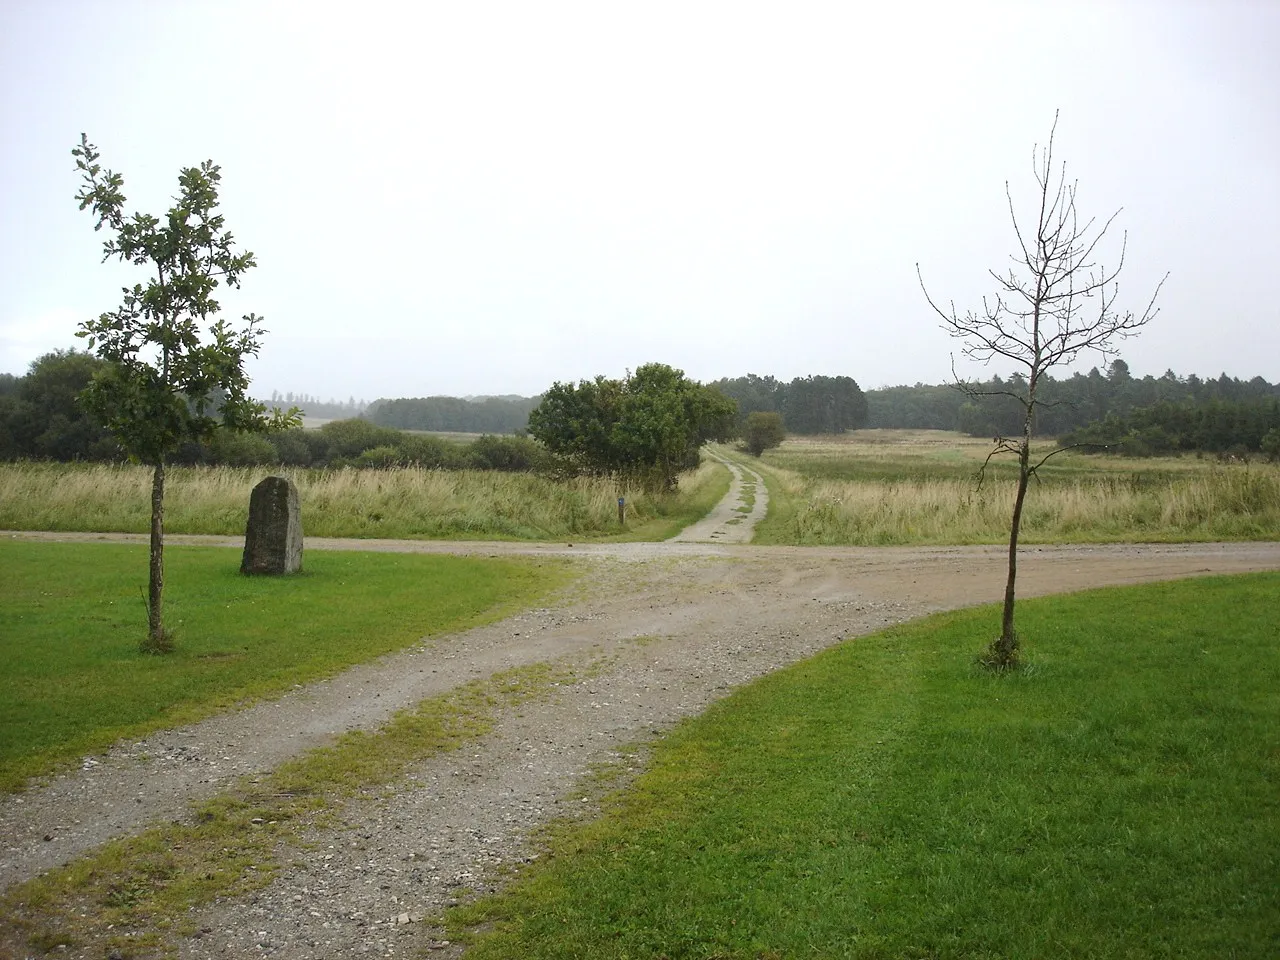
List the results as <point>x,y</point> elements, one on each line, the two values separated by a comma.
<point>622,511</point>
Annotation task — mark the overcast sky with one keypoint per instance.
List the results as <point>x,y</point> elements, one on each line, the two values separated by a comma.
<point>471,198</point>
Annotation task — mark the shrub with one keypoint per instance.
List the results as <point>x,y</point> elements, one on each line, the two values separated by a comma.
<point>1270,445</point>
<point>347,439</point>
<point>764,430</point>
<point>431,453</point>
<point>380,458</point>
<point>298,448</point>
<point>509,454</point>
<point>240,449</point>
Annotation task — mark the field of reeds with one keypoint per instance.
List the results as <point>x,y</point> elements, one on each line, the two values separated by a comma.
<point>874,487</point>
<point>407,502</point>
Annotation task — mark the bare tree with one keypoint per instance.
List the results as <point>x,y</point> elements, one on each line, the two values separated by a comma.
<point>1057,300</point>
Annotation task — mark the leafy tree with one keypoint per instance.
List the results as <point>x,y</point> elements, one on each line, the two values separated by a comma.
<point>1056,302</point>
<point>46,419</point>
<point>649,426</point>
<point>764,431</point>
<point>575,423</point>
<point>168,351</point>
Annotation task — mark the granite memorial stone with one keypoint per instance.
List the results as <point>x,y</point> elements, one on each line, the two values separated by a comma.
<point>273,537</point>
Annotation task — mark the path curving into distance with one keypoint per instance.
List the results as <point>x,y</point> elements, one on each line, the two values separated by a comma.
<point>734,518</point>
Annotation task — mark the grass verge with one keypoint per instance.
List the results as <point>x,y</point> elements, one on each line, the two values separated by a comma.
<point>890,799</point>
<point>74,681</point>
<point>131,897</point>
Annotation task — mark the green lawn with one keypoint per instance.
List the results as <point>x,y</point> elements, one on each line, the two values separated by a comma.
<point>1119,798</point>
<point>71,616</point>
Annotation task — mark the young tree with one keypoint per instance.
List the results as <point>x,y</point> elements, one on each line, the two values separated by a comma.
<point>1056,301</point>
<point>165,383</point>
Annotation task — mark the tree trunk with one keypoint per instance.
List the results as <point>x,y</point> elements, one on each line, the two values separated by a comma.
<point>158,640</point>
<point>1004,652</point>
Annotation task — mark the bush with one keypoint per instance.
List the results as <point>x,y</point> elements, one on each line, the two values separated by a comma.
<point>347,439</point>
<point>431,453</point>
<point>299,448</point>
<point>380,458</point>
<point>764,430</point>
<point>508,454</point>
<point>1270,445</point>
<point>234,449</point>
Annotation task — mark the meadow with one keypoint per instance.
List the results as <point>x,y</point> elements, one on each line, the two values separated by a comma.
<point>888,798</point>
<point>74,681</point>
<point>399,502</point>
<point>881,487</point>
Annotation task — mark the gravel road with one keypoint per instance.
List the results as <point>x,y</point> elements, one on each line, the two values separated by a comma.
<point>669,627</point>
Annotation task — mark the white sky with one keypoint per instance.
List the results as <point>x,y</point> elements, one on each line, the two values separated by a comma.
<point>469,197</point>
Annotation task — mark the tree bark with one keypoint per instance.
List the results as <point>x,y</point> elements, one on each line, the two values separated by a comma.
<point>157,641</point>
<point>1005,649</point>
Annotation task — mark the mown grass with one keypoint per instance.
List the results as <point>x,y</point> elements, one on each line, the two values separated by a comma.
<point>73,679</point>
<point>131,896</point>
<point>919,487</point>
<point>890,799</point>
<point>406,502</point>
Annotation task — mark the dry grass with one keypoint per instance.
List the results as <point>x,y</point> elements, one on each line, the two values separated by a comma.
<point>403,502</point>
<point>898,487</point>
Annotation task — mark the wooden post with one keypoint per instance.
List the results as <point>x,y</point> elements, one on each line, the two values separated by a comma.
<point>622,511</point>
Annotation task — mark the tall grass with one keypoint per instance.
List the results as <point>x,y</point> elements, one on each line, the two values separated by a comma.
<point>843,492</point>
<point>398,502</point>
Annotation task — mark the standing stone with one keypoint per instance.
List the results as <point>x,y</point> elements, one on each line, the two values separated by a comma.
<point>273,538</point>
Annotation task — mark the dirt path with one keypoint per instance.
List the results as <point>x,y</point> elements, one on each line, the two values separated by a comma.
<point>670,627</point>
<point>735,517</point>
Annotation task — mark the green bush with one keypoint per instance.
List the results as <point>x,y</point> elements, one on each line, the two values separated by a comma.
<point>432,453</point>
<point>234,449</point>
<point>1270,445</point>
<point>347,439</point>
<point>763,431</point>
<point>381,458</point>
<point>509,454</point>
<point>295,448</point>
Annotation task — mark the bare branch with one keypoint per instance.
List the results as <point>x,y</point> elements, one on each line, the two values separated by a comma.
<point>1058,299</point>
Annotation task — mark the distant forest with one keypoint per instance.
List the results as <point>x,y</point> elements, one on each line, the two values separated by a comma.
<point>508,414</point>
<point>310,406</point>
<point>807,405</point>
<point>41,418</point>
<point>1148,415</point>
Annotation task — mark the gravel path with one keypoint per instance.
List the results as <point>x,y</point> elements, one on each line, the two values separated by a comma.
<point>668,627</point>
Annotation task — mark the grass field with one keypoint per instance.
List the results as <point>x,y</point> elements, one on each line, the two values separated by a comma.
<point>889,799</point>
<point>879,487</point>
<point>72,614</point>
<point>397,503</point>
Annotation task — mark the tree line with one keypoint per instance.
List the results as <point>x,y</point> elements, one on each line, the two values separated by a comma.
<point>312,406</point>
<point>1234,427</point>
<point>807,405</point>
<point>1071,404</point>
<point>41,417</point>
<point>509,414</point>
